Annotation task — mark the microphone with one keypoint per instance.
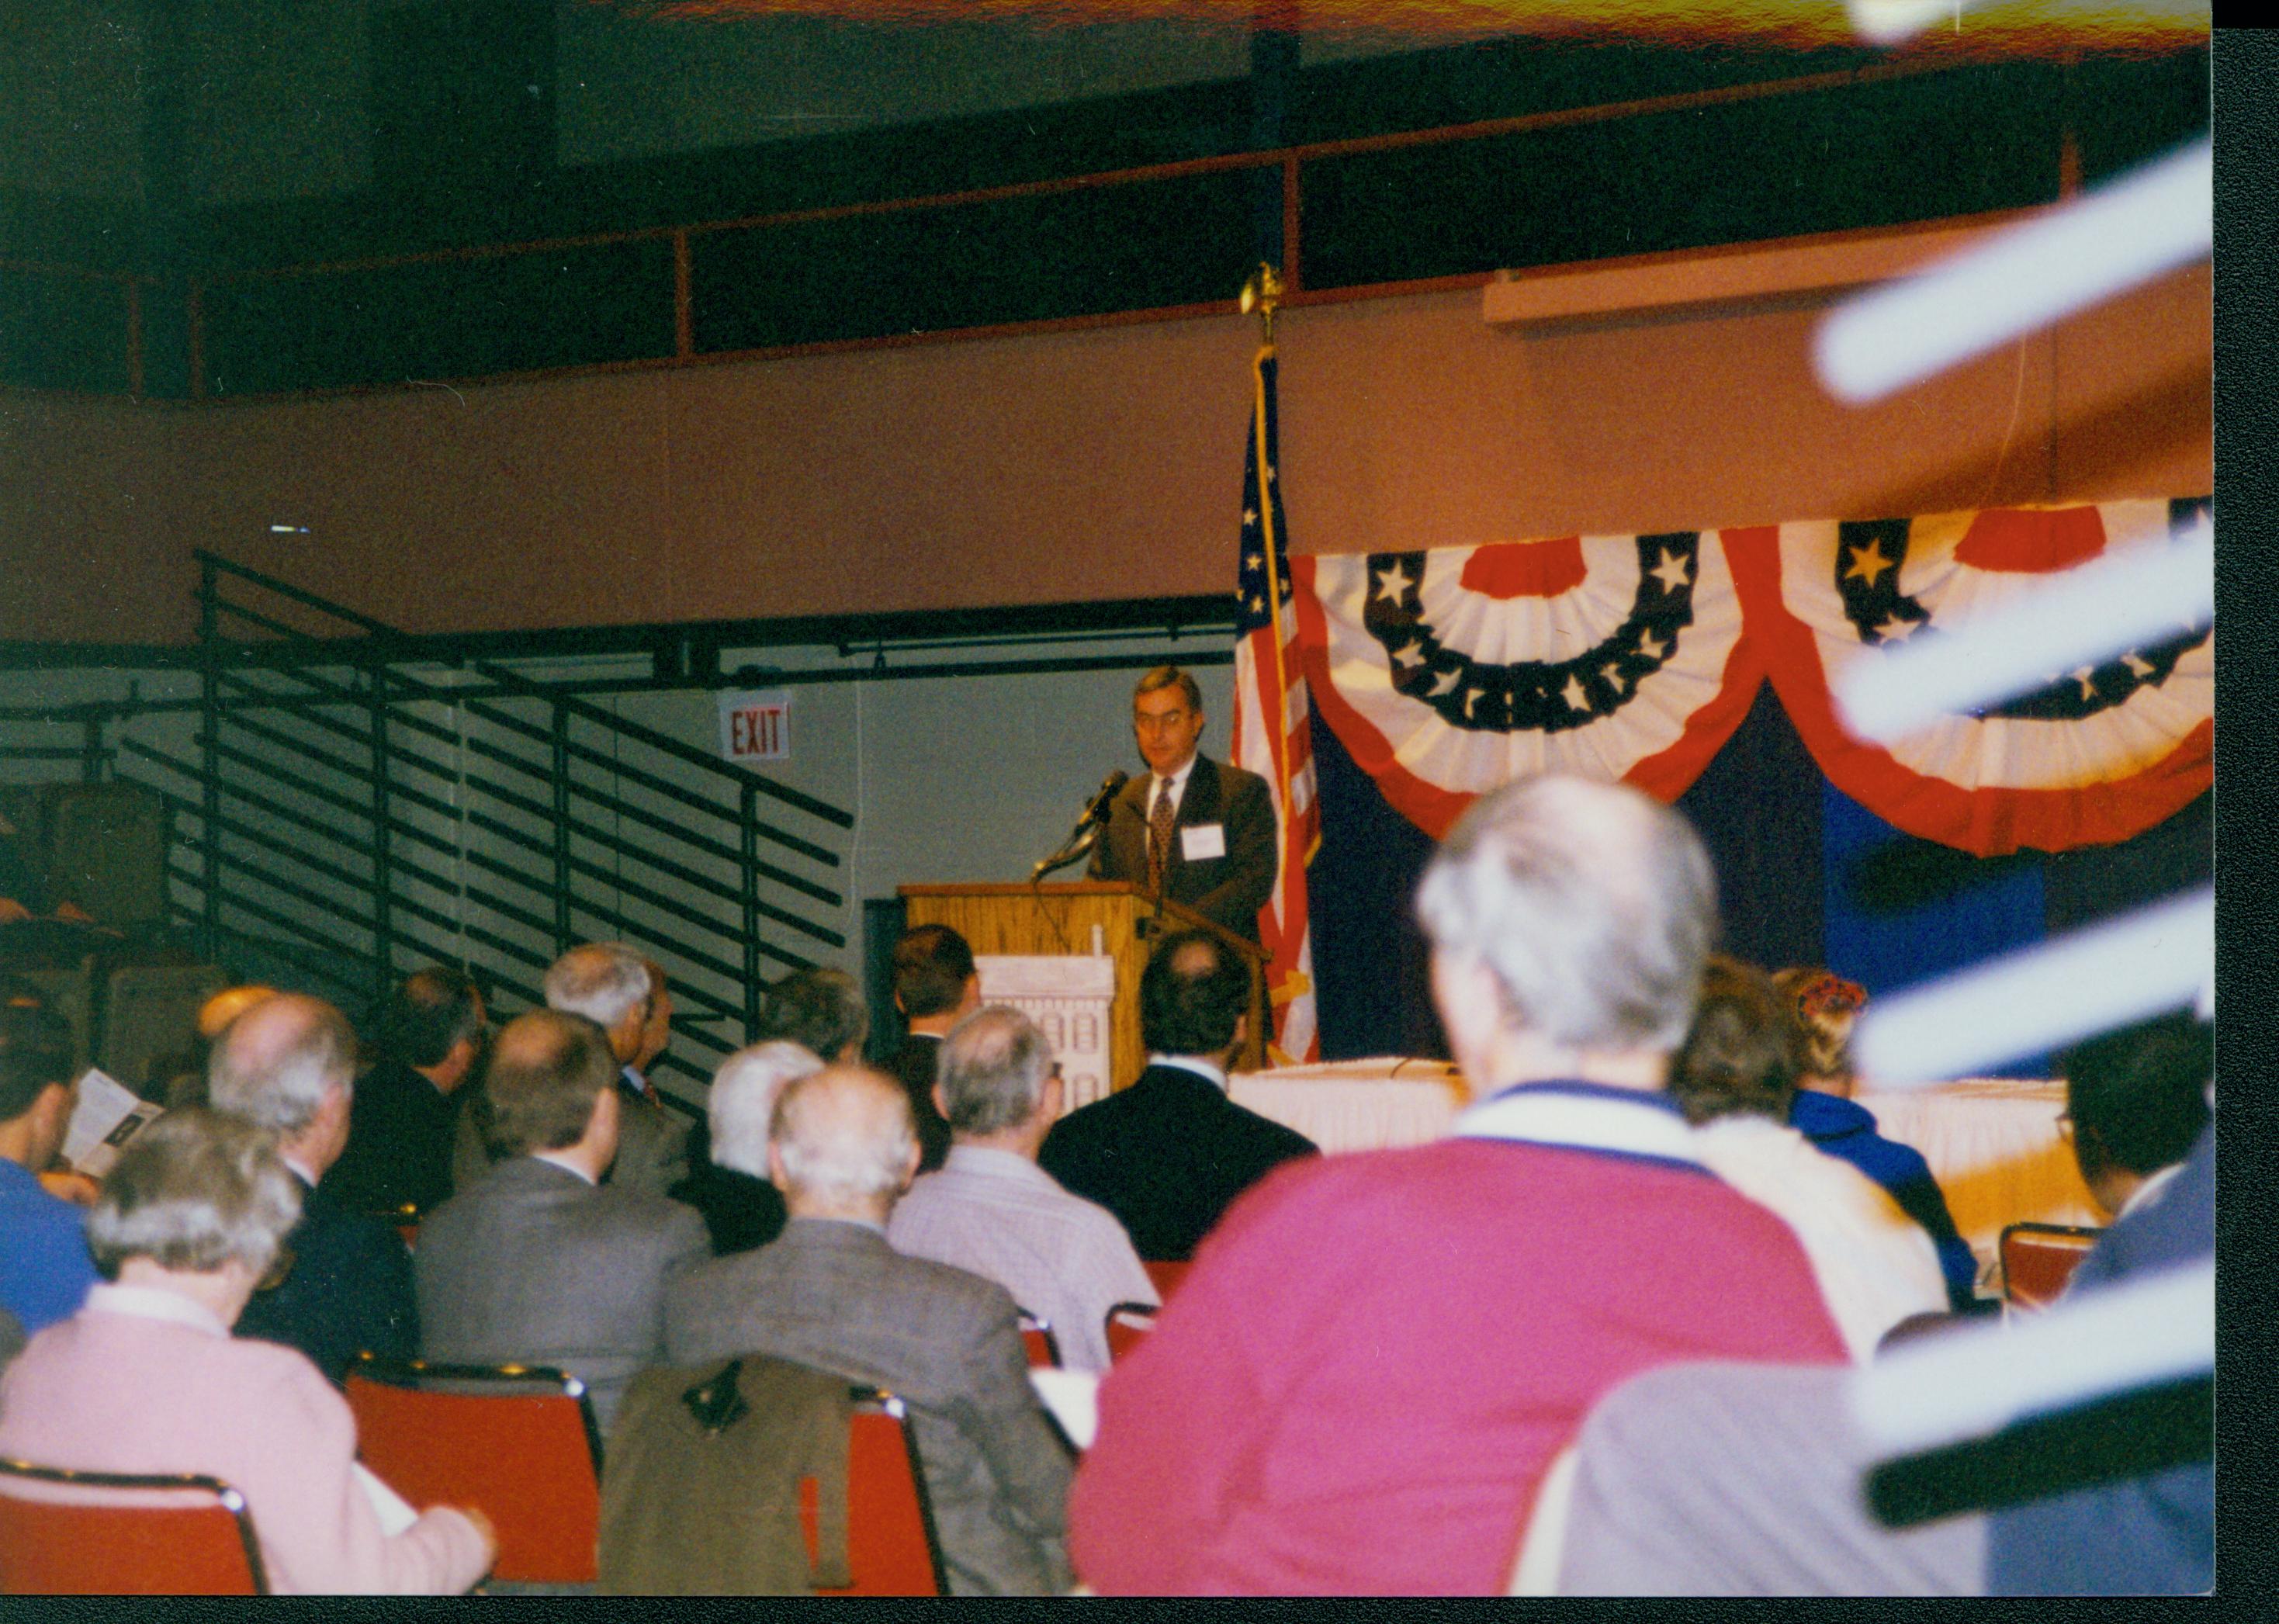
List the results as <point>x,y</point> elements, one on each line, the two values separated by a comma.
<point>1085,835</point>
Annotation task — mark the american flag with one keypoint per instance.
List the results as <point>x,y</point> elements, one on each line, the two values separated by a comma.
<point>1272,736</point>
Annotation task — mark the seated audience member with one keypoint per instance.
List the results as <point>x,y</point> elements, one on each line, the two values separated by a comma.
<point>1823,1007</point>
<point>1170,1155</point>
<point>1360,1384</point>
<point>935,987</point>
<point>624,994</point>
<point>147,1378</point>
<point>1734,1078</point>
<point>993,1211</point>
<point>1730,1480</point>
<point>284,1065</point>
<point>539,1262</point>
<point>740,1209</point>
<point>822,1011</point>
<point>44,1268</point>
<point>831,1294</point>
<point>185,1073</point>
<point>2136,1101</point>
<point>406,1119</point>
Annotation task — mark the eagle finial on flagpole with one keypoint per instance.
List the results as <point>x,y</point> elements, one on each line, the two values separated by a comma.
<point>1263,295</point>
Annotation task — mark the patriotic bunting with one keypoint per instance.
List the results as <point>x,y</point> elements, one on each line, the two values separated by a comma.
<point>1447,672</point>
<point>2099,754</point>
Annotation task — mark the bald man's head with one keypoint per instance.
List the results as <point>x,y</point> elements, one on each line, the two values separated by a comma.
<point>843,1145</point>
<point>276,1061</point>
<point>547,1068</point>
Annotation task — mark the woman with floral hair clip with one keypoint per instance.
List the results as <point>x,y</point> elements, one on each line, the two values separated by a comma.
<point>1823,1006</point>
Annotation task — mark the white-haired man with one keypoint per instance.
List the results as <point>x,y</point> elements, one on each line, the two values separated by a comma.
<point>1359,1387</point>
<point>288,1064</point>
<point>741,1209</point>
<point>831,1294</point>
<point>993,1211</point>
<point>624,993</point>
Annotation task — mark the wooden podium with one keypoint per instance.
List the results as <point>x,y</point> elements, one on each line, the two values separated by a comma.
<point>1063,918</point>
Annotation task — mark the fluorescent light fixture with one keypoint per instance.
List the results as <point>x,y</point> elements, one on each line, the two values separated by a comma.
<point>1967,1384</point>
<point>2140,965</point>
<point>289,530</point>
<point>2108,241</point>
<point>2098,612</point>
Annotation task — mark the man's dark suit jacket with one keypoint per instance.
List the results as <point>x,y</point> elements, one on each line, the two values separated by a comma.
<point>348,1289</point>
<point>740,1212</point>
<point>401,1131</point>
<point>1168,1156</point>
<point>1228,890</point>
<point>914,1063</point>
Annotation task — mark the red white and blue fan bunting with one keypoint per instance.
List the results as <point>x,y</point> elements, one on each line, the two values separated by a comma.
<point>2099,755</point>
<point>1448,672</point>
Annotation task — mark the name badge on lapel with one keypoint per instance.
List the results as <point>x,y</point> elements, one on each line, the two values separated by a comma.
<point>1198,841</point>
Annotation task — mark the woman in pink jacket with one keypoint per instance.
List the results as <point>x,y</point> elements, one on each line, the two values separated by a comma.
<point>147,1378</point>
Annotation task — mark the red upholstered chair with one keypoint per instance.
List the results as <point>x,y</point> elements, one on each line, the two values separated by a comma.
<point>1036,1336</point>
<point>1127,1323</point>
<point>2038,1259</point>
<point>112,1534</point>
<point>890,1546</point>
<point>1165,1277</point>
<point>516,1442</point>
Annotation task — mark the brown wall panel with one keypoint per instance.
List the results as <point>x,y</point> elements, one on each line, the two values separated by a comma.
<point>1052,467</point>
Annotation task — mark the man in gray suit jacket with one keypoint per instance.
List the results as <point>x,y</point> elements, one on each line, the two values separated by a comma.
<point>540,1263</point>
<point>831,1294</point>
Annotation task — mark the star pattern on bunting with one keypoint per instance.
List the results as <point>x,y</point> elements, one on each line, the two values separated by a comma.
<point>1532,696</point>
<point>1867,564</point>
<point>1871,555</point>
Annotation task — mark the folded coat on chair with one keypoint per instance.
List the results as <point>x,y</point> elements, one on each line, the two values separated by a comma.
<point>700,1487</point>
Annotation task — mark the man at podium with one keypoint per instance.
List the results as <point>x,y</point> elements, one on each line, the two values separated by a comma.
<point>1190,829</point>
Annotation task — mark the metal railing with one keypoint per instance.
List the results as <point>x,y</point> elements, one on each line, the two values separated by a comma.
<point>355,818</point>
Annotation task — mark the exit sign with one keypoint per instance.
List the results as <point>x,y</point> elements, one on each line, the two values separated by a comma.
<point>756,726</point>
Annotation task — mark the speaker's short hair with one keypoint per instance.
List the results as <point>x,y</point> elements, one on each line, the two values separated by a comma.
<point>1171,677</point>
<point>1592,906</point>
<point>931,966</point>
<point>546,1070</point>
<point>194,1189</point>
<point>992,1070</point>
<point>274,1063</point>
<point>1192,995</point>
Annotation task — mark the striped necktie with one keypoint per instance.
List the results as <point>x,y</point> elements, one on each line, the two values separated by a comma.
<point>1159,835</point>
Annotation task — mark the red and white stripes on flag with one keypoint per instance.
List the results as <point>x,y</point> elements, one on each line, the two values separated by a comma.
<point>1272,727</point>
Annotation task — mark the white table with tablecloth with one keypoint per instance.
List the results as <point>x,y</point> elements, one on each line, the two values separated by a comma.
<point>1993,1144</point>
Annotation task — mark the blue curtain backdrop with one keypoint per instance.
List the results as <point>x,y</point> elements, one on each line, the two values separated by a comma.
<point>1806,876</point>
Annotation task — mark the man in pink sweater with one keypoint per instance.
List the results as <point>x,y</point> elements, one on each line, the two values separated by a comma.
<point>1360,1385</point>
